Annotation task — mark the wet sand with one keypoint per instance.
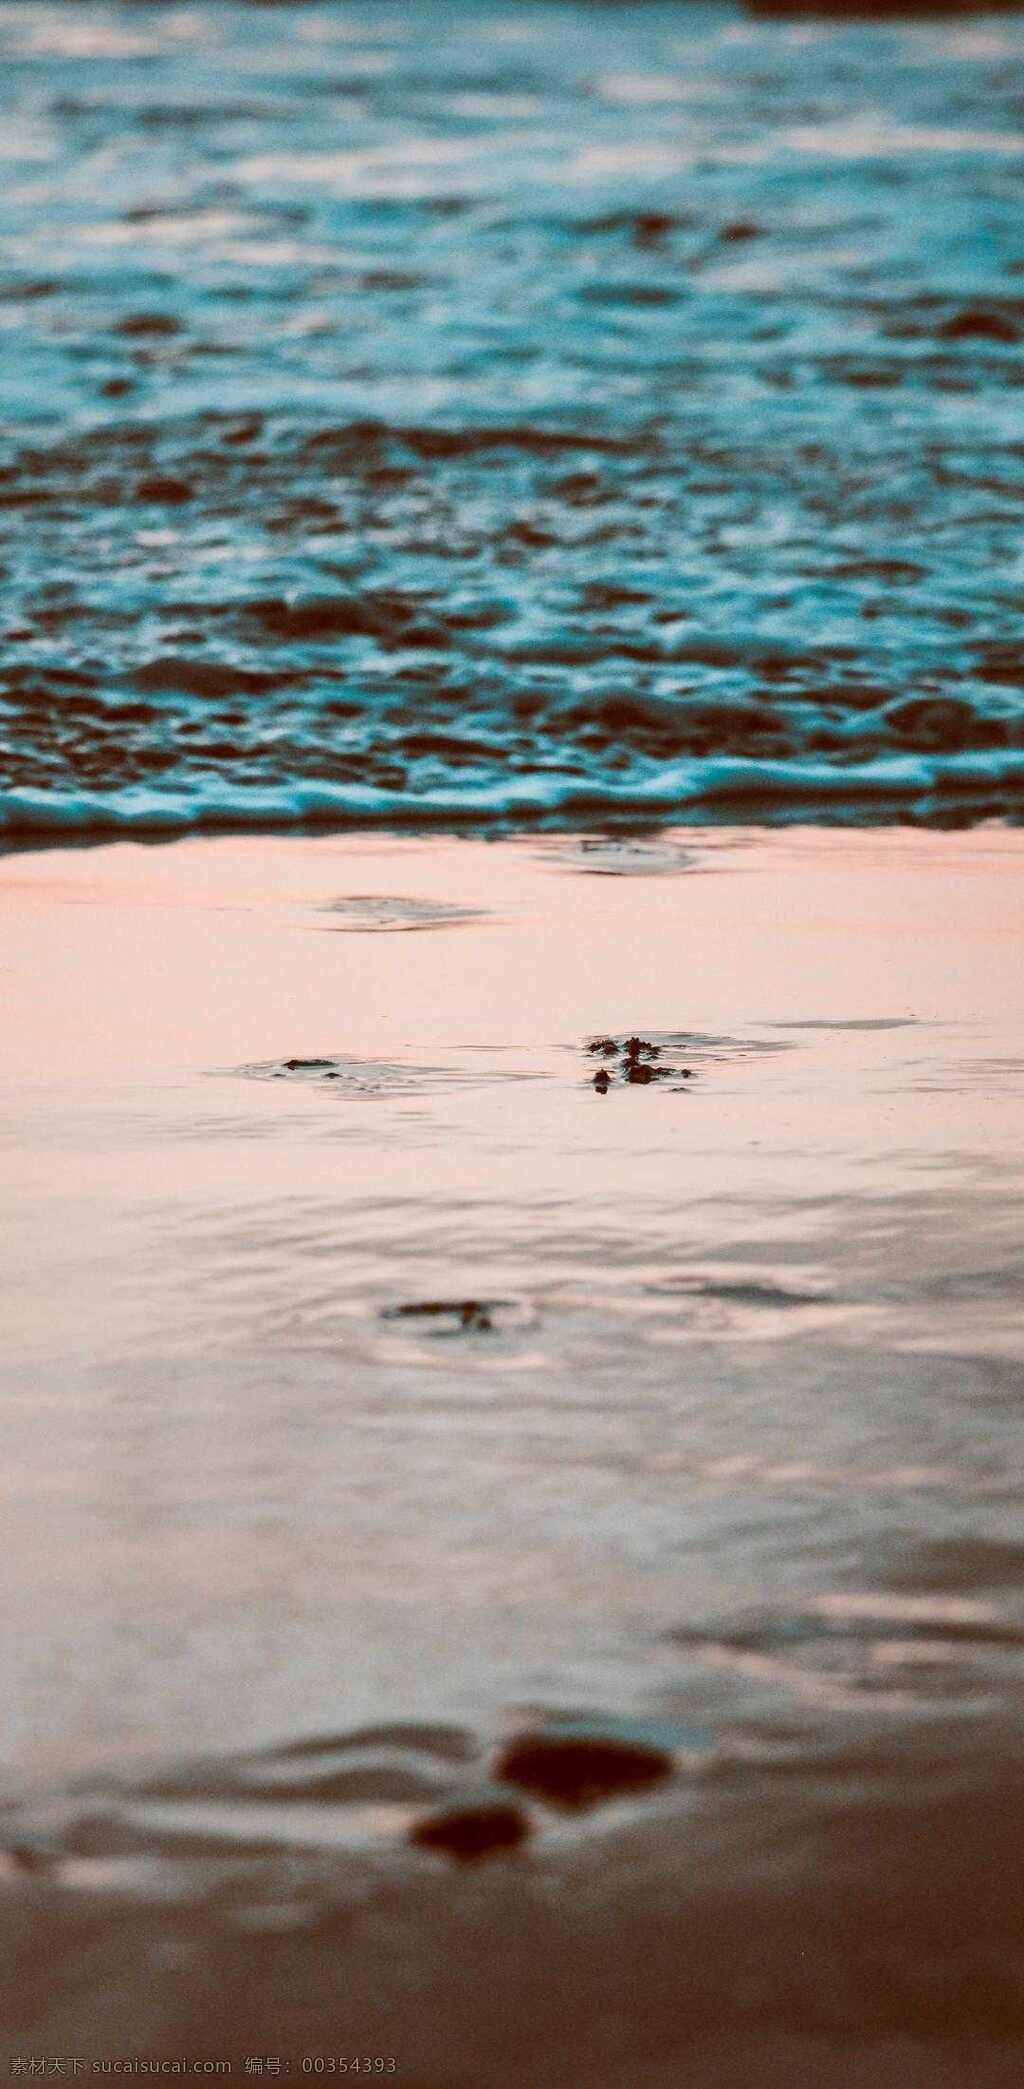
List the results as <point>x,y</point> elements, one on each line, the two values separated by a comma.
<point>376,1390</point>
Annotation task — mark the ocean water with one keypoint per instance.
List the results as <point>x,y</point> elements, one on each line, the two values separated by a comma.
<point>507,412</point>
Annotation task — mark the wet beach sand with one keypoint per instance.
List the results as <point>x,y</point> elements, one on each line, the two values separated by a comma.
<point>417,1444</point>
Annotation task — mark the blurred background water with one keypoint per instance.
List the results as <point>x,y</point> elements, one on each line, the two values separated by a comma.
<point>450,411</point>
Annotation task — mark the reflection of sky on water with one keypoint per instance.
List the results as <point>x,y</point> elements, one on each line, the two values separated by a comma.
<point>452,1335</point>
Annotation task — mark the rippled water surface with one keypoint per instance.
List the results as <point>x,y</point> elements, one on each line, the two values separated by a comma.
<point>503,411</point>
<point>471,1301</point>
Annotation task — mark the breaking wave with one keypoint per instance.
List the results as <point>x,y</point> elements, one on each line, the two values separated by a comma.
<point>920,786</point>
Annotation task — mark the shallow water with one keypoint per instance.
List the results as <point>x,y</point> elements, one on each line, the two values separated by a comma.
<point>536,415</point>
<point>506,413</point>
<point>375,1388</point>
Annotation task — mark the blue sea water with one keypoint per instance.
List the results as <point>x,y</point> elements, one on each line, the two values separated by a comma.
<point>507,412</point>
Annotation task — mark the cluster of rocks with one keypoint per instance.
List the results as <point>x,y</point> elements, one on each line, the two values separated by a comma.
<point>565,1770</point>
<point>636,1063</point>
<point>633,1062</point>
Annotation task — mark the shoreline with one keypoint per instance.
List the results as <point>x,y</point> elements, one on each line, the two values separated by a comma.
<point>921,789</point>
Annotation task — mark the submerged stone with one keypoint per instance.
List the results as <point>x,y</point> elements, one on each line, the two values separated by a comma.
<point>979,323</point>
<point>163,489</point>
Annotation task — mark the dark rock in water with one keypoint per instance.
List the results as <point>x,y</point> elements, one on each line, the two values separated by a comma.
<point>636,1068</point>
<point>162,488</point>
<point>158,326</point>
<point>307,1066</point>
<point>580,1770</point>
<point>650,227</point>
<point>472,1831</point>
<point>740,229</point>
<point>977,324</point>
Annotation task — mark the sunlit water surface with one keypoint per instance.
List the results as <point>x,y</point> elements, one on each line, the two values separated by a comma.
<point>377,1383</point>
<point>364,1361</point>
